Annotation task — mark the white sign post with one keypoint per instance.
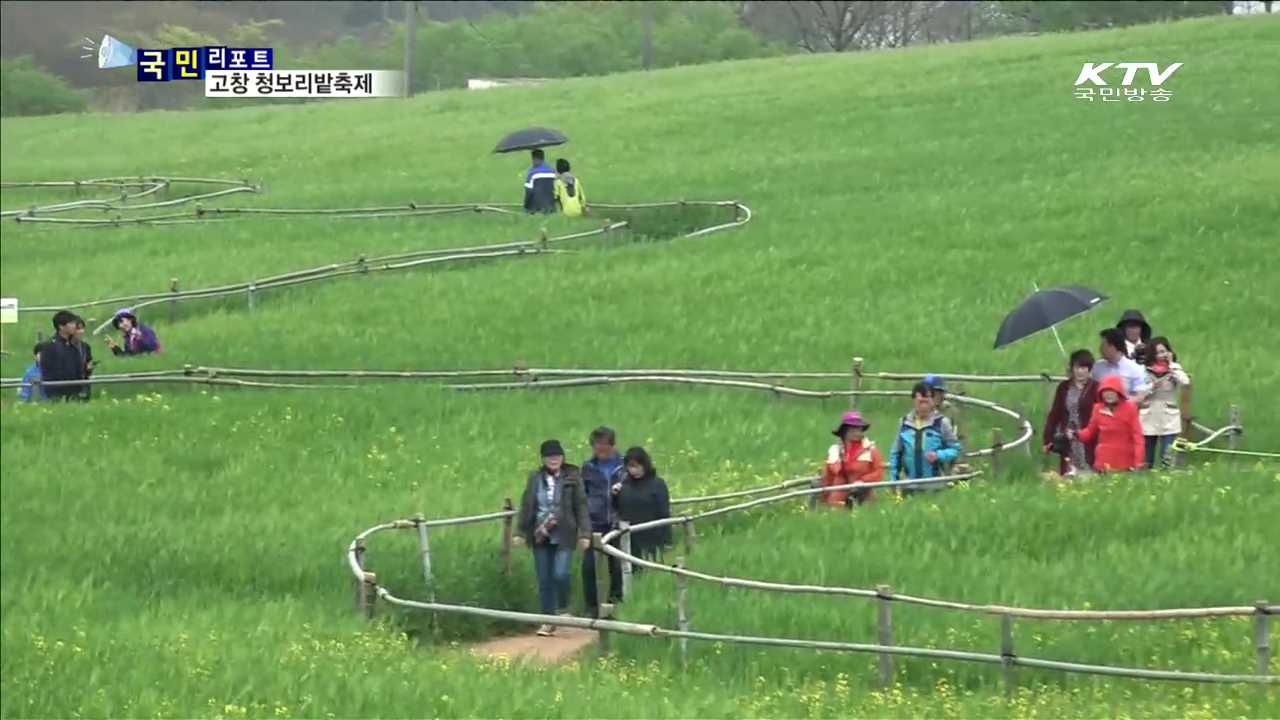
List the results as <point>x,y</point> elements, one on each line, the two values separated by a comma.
<point>8,315</point>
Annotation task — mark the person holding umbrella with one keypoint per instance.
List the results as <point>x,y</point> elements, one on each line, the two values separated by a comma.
<point>1072,409</point>
<point>540,179</point>
<point>540,185</point>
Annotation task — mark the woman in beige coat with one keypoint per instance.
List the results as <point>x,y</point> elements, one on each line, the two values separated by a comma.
<point>1162,412</point>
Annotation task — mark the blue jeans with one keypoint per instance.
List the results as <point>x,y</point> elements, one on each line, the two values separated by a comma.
<point>1163,442</point>
<point>551,563</point>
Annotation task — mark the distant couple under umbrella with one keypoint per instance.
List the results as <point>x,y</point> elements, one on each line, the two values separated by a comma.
<point>546,190</point>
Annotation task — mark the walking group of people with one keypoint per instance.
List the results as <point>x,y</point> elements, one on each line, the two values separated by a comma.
<point>548,191</point>
<point>563,504</point>
<point>1123,411</point>
<point>66,357</point>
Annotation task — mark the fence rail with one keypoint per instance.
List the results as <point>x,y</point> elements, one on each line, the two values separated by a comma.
<point>1008,658</point>
<point>882,595</point>
<point>361,265</point>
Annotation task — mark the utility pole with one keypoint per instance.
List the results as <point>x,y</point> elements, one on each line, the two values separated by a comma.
<point>647,24</point>
<point>410,29</point>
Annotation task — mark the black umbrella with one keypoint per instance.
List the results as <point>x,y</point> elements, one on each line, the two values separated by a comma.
<point>530,138</point>
<point>1044,309</point>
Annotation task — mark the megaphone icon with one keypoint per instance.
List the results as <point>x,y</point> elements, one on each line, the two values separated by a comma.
<point>115,53</point>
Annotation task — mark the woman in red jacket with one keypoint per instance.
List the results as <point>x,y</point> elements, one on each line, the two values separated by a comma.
<point>1072,407</point>
<point>855,459</point>
<point>1114,429</point>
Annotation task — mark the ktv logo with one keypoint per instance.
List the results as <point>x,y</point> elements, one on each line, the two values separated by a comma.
<point>1092,73</point>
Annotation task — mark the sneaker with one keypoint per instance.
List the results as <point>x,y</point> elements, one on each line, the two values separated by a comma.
<point>546,631</point>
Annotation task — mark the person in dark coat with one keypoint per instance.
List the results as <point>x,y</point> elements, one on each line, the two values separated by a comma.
<point>599,473</point>
<point>86,357</point>
<point>553,518</point>
<point>1137,333</point>
<point>540,185</point>
<point>641,496</point>
<point>1072,407</point>
<point>61,359</point>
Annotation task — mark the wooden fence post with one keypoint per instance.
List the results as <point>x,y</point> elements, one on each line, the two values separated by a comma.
<point>252,289</point>
<point>424,549</point>
<point>603,610</point>
<point>625,527</point>
<point>1262,637</point>
<point>1006,652</point>
<point>1021,410</point>
<point>997,444</point>
<point>362,597</point>
<point>682,613</point>
<point>855,382</point>
<point>813,497</point>
<point>173,302</point>
<point>506,536</point>
<point>884,626</point>
<point>370,594</point>
<point>688,536</point>
<point>1233,418</point>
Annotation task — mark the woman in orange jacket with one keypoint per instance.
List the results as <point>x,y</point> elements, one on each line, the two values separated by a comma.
<point>855,459</point>
<point>1114,429</point>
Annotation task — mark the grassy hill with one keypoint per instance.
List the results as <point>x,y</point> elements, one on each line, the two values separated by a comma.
<point>177,553</point>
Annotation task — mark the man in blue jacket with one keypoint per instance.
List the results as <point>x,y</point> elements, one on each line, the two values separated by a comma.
<point>540,186</point>
<point>926,442</point>
<point>600,473</point>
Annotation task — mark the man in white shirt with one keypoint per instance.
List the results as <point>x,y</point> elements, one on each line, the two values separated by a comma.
<point>1114,362</point>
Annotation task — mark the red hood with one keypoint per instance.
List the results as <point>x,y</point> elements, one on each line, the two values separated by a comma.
<point>1114,383</point>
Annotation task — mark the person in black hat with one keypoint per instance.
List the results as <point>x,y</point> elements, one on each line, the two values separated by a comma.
<point>553,518</point>
<point>1137,333</point>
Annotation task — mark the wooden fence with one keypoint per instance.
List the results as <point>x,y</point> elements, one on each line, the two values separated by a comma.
<point>369,592</point>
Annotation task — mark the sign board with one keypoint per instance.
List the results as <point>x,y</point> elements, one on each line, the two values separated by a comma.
<point>8,311</point>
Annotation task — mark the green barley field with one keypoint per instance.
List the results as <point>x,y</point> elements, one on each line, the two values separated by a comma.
<point>178,552</point>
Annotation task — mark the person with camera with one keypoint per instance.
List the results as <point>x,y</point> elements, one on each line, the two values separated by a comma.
<point>553,518</point>
<point>1073,403</point>
<point>1167,409</point>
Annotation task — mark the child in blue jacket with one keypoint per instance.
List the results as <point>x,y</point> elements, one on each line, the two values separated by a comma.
<point>30,377</point>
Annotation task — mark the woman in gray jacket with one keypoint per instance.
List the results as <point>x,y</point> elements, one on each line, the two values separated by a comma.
<point>553,518</point>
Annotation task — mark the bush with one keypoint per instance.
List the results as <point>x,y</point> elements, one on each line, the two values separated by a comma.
<point>26,89</point>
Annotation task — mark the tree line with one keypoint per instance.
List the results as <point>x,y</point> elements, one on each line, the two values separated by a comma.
<point>459,40</point>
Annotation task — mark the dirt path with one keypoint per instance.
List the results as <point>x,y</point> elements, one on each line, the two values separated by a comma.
<point>566,643</point>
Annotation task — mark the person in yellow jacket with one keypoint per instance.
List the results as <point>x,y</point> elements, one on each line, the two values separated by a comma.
<point>570,197</point>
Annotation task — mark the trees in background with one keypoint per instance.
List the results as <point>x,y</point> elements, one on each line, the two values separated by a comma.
<point>26,89</point>
<point>487,38</point>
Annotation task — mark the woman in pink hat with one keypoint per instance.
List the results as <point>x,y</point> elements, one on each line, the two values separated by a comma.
<point>854,459</point>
